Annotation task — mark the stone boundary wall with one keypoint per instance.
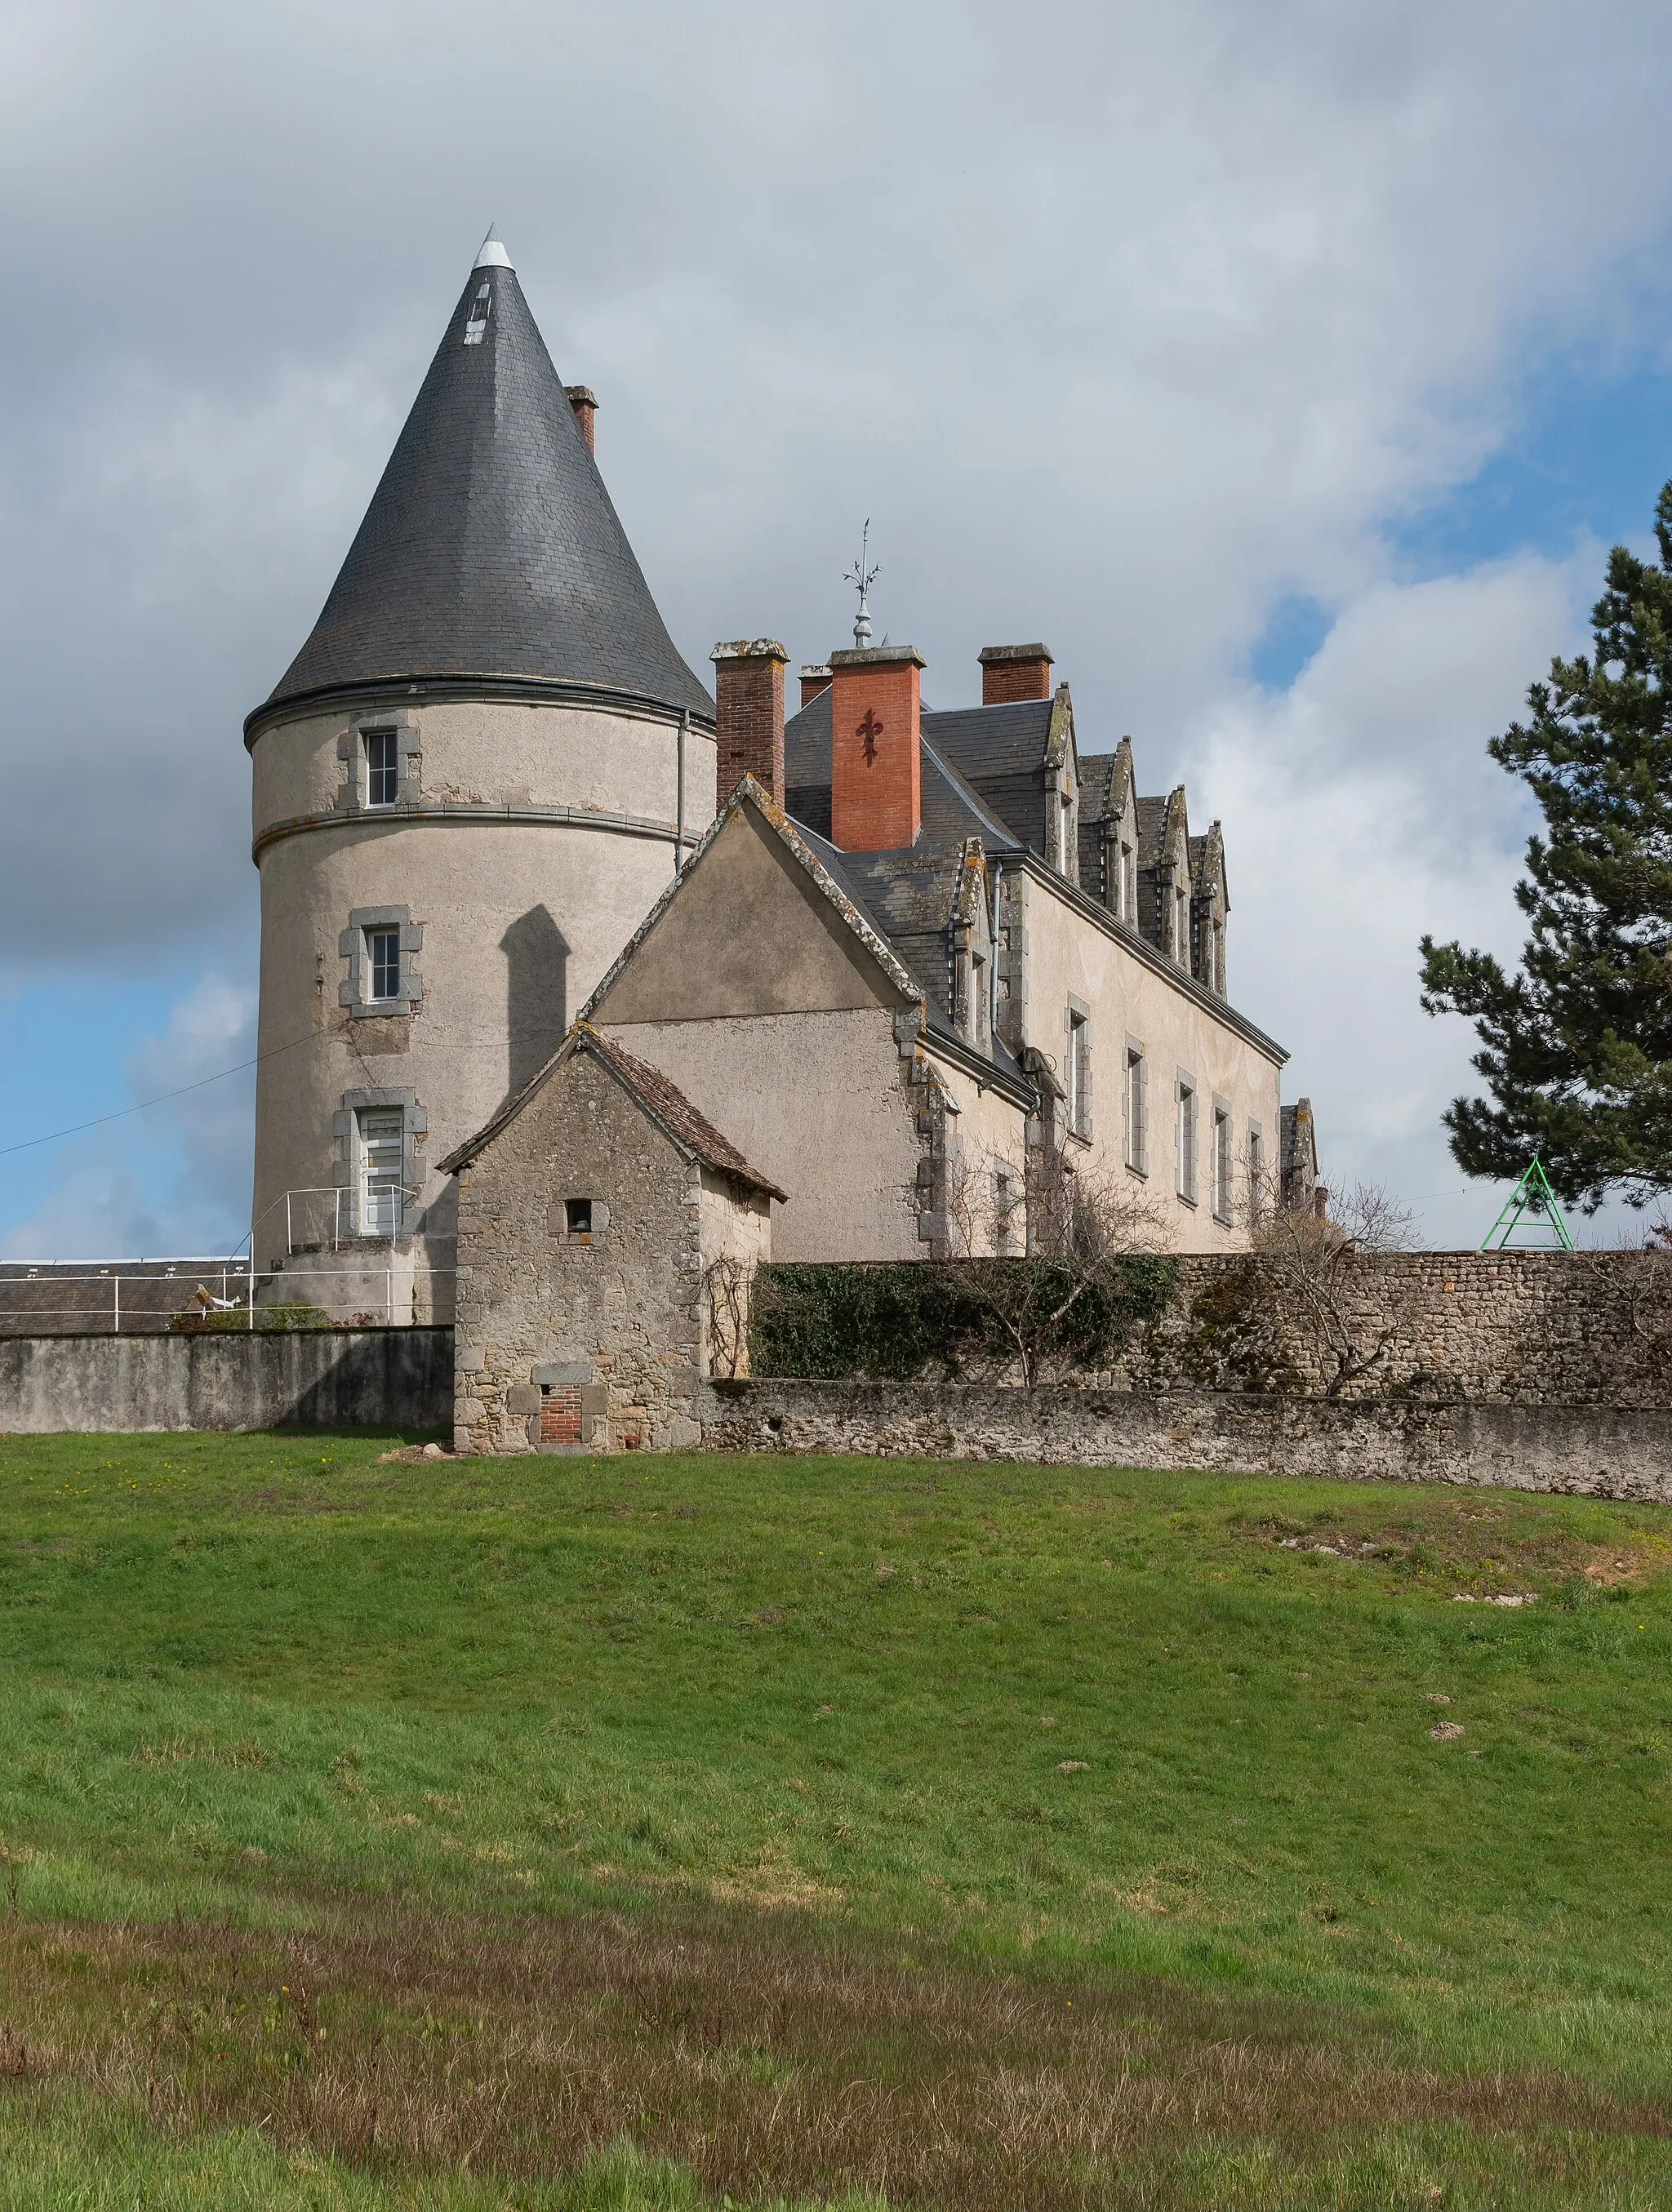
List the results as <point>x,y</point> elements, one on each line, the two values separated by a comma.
<point>1585,1450</point>
<point>386,1378</point>
<point>1527,1327</point>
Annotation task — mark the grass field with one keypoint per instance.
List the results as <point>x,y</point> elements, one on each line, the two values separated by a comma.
<point>642,1833</point>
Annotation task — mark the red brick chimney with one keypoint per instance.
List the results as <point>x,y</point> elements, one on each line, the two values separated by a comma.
<point>584,404</point>
<point>876,770</point>
<point>749,729</point>
<point>1014,671</point>
<point>815,678</point>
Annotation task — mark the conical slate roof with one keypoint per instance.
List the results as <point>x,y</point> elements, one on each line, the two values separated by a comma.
<point>491,547</point>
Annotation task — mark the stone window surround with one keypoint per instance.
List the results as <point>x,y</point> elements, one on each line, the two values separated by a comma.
<point>1257,1170</point>
<point>1186,1137</point>
<point>351,947</point>
<point>1136,1144</point>
<point>1221,1118</point>
<point>1077,1068</point>
<point>352,751</point>
<point>346,1130</point>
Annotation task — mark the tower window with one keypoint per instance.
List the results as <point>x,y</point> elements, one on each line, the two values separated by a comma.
<point>382,767</point>
<point>382,1149</point>
<point>476,326</point>
<point>383,963</point>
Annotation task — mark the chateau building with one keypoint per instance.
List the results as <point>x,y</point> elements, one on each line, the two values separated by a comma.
<point>845,974</point>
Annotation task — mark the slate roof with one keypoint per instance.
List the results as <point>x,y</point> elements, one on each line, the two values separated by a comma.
<point>492,548</point>
<point>664,1101</point>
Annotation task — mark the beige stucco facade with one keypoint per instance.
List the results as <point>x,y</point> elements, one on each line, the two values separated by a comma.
<point>525,844</point>
<point>1135,999</point>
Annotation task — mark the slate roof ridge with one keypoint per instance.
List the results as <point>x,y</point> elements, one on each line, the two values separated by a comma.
<point>491,549</point>
<point>689,1127</point>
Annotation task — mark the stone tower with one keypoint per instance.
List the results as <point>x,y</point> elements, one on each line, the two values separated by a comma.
<point>469,785</point>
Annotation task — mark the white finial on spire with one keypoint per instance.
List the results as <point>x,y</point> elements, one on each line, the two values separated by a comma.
<point>493,254</point>
<point>862,578</point>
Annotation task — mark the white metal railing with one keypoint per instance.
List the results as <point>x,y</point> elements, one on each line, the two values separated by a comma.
<point>234,1289</point>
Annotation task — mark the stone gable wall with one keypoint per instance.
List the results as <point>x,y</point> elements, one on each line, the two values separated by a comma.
<point>605,1327</point>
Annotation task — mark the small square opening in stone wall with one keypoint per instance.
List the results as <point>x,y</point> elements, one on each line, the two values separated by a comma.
<point>578,1216</point>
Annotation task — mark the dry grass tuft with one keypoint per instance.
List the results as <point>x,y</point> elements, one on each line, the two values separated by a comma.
<point>767,2056</point>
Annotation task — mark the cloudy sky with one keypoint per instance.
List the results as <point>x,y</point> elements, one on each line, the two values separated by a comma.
<point>1288,369</point>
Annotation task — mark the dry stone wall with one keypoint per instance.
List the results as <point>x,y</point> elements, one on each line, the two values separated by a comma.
<point>1585,1450</point>
<point>1536,1328</point>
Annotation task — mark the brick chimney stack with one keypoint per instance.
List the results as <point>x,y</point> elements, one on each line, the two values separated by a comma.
<point>876,769</point>
<point>585,404</point>
<point>1010,672</point>
<point>815,678</point>
<point>749,729</point>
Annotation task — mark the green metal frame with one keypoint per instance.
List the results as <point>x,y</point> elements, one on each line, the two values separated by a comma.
<point>1531,1219</point>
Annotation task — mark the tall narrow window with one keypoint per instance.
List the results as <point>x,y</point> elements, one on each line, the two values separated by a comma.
<point>383,964</point>
<point>1221,1163</point>
<point>1079,1074</point>
<point>475,327</point>
<point>1256,1172</point>
<point>382,767</point>
<point>1129,877</point>
<point>1182,927</point>
<point>1006,1211</point>
<point>1137,1110</point>
<point>978,996</point>
<point>1187,1140</point>
<point>382,1133</point>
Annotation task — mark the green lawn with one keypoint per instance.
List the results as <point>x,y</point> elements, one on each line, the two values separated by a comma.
<point>988,1835</point>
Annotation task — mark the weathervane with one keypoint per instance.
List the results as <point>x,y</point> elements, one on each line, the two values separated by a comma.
<point>862,578</point>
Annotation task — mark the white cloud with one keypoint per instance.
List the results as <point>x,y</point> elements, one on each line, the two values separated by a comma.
<point>1360,811</point>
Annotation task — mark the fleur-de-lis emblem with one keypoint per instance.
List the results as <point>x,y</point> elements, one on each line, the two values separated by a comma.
<point>870,730</point>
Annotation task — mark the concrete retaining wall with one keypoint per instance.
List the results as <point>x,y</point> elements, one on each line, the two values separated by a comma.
<point>1593,1450</point>
<point>392,1378</point>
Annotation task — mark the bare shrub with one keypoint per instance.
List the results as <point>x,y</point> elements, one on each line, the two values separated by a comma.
<point>1080,1281</point>
<point>1322,1277</point>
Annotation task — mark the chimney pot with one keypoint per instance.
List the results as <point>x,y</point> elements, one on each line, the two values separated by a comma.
<point>876,767</point>
<point>749,726</point>
<point>816,677</point>
<point>1010,672</point>
<point>584,401</point>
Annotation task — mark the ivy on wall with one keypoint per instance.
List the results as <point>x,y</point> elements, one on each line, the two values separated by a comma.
<point>911,1321</point>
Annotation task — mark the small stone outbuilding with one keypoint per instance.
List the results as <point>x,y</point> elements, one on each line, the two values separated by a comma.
<point>597,1213</point>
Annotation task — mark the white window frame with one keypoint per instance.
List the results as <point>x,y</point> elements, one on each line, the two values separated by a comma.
<point>381,742</point>
<point>380,1179</point>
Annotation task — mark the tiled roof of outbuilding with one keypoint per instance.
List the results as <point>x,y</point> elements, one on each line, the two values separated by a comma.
<point>492,548</point>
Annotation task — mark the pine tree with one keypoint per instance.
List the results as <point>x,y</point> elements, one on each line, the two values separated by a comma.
<point>1577,1046</point>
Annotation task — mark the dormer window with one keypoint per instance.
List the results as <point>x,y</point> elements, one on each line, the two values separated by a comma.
<point>1182,925</point>
<point>476,326</point>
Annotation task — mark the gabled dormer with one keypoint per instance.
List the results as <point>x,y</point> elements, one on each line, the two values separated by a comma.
<point>1210,904</point>
<point>970,949</point>
<point>1163,876</point>
<point>1109,831</point>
